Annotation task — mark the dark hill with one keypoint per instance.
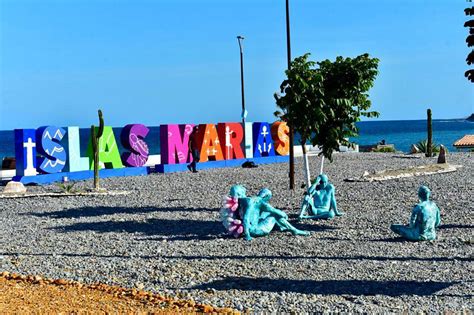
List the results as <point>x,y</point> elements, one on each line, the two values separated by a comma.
<point>470,118</point>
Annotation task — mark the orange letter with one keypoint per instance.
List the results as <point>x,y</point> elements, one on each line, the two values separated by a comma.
<point>211,147</point>
<point>280,131</point>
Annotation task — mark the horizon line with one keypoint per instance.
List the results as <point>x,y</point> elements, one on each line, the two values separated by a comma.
<point>362,121</point>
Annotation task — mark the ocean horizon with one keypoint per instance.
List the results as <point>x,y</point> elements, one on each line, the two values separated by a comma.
<point>401,133</point>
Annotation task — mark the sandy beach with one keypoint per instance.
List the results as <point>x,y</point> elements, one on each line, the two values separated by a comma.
<point>165,236</point>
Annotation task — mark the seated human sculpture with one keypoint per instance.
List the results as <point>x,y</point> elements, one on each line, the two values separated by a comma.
<point>424,219</point>
<point>253,216</point>
<point>320,201</point>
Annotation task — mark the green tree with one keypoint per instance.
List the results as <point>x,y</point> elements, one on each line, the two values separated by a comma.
<point>324,103</point>
<point>302,101</point>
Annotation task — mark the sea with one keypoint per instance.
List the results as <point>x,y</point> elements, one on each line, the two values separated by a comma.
<point>401,133</point>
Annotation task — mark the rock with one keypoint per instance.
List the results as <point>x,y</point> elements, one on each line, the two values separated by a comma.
<point>14,188</point>
<point>414,149</point>
<point>442,154</point>
<point>60,282</point>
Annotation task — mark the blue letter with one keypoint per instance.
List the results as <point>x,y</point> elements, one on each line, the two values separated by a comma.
<point>25,152</point>
<point>262,140</point>
<point>49,146</point>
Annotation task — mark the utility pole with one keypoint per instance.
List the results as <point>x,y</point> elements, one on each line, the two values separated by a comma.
<point>240,39</point>
<point>288,49</point>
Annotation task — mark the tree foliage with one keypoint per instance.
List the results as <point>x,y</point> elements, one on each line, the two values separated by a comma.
<point>469,74</point>
<point>324,103</point>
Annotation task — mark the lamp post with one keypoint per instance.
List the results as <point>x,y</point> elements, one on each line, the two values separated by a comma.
<point>240,40</point>
<point>288,50</point>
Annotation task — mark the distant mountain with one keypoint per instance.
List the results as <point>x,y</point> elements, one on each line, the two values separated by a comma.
<point>470,118</point>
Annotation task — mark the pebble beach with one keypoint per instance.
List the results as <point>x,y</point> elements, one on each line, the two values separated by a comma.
<point>165,236</point>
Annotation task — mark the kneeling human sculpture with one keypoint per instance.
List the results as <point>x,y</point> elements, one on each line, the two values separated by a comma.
<point>320,201</point>
<point>424,219</point>
<point>253,216</point>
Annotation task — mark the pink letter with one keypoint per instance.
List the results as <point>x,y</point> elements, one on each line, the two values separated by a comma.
<point>174,143</point>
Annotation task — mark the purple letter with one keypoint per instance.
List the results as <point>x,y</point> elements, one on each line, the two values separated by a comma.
<point>133,140</point>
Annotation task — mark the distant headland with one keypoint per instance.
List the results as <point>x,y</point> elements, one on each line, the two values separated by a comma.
<point>470,118</point>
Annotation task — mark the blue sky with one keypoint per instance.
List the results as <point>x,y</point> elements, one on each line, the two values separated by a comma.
<point>155,62</point>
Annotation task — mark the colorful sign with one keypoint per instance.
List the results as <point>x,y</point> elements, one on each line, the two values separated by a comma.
<point>50,149</point>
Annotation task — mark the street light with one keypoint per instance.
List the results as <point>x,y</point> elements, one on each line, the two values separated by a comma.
<point>240,39</point>
<point>288,50</point>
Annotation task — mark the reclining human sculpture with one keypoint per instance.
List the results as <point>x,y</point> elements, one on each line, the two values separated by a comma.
<point>320,201</point>
<point>424,219</point>
<point>253,216</point>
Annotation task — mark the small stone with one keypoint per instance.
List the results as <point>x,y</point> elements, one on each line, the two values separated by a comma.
<point>14,188</point>
<point>207,309</point>
<point>227,310</point>
<point>60,282</point>
<point>414,149</point>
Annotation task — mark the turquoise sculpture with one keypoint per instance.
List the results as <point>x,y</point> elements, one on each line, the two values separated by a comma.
<point>424,219</point>
<point>253,216</point>
<point>320,201</point>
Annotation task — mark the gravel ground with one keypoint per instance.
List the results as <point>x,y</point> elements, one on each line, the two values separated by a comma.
<point>165,237</point>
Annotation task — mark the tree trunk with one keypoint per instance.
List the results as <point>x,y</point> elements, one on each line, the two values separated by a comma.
<point>429,144</point>
<point>96,170</point>
<point>95,150</point>
<point>322,165</point>
<point>307,175</point>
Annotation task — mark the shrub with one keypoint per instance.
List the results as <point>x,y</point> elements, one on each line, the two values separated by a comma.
<point>67,188</point>
<point>422,146</point>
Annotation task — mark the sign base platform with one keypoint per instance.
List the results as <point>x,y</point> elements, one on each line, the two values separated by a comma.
<point>171,168</point>
<point>82,175</point>
<point>141,171</point>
